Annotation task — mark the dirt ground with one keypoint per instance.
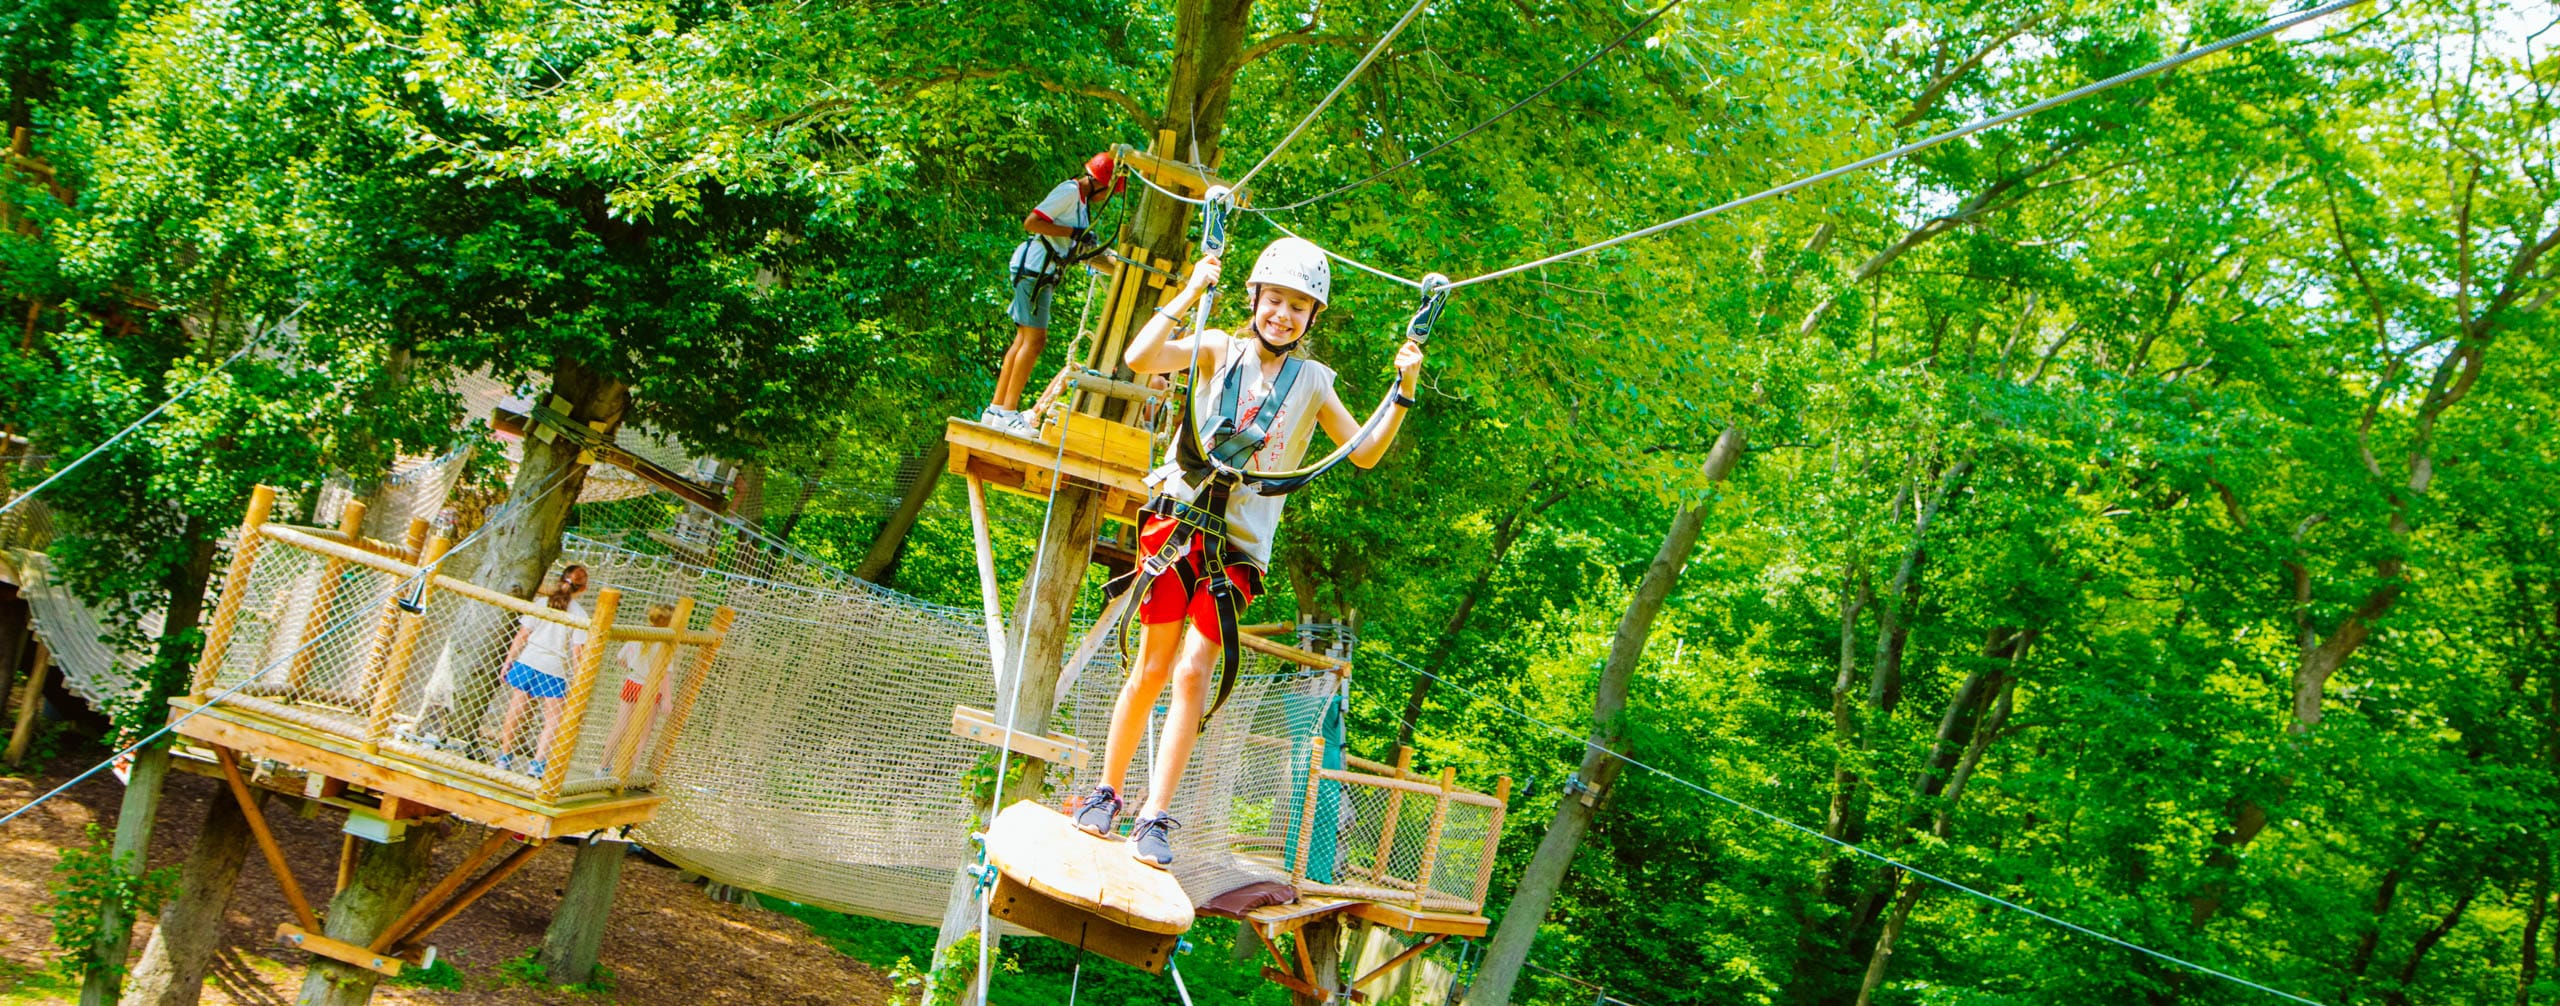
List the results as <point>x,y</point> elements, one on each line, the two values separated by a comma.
<point>667,943</point>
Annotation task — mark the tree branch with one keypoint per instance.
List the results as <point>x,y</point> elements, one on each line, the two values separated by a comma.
<point>1138,112</point>
<point>1937,89</point>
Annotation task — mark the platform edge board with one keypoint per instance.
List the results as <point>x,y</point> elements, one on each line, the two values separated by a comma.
<point>1408,920</point>
<point>1075,925</point>
<point>989,442</point>
<point>337,759</point>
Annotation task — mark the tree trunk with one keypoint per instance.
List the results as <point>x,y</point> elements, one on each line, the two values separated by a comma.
<point>1600,761</point>
<point>2529,951</point>
<point>134,819</point>
<point>387,880</point>
<point>2399,995</point>
<point>890,544</point>
<point>523,538</point>
<point>173,966</point>
<point>570,946</point>
<point>1323,939</point>
<point>1041,628</point>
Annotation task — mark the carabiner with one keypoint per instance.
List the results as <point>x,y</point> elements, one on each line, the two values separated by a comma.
<point>1435,295</point>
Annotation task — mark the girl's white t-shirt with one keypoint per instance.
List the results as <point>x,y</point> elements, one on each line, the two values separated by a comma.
<point>1253,518</point>
<point>636,661</point>
<point>547,644</point>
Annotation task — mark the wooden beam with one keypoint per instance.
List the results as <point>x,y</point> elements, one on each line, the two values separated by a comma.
<point>602,448</point>
<point>582,687</point>
<point>391,935</point>
<point>487,882</point>
<point>1170,173</point>
<point>1428,941</point>
<point>1408,919</point>
<point>695,678</point>
<point>235,589</point>
<point>266,839</point>
<point>345,953</point>
<point>1056,748</point>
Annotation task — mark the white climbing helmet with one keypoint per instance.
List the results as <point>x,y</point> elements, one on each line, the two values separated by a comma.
<point>1296,264</point>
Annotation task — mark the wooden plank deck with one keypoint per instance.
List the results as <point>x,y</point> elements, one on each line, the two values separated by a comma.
<point>322,754</point>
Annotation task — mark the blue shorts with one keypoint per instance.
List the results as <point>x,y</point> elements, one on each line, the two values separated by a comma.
<point>523,677</point>
<point>1031,299</point>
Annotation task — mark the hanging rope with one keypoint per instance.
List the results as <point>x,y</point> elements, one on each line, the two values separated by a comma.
<point>1347,78</point>
<point>1586,63</point>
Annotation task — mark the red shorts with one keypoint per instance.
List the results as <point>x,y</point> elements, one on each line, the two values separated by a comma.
<point>1183,591</point>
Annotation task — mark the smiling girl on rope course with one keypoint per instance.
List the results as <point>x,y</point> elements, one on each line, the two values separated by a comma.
<point>1212,521</point>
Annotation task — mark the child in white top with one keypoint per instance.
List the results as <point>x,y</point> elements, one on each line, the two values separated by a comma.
<point>644,667</point>
<point>1290,285</point>
<point>537,668</point>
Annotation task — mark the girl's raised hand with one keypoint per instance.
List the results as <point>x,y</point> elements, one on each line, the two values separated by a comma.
<point>1205,274</point>
<point>1409,365</point>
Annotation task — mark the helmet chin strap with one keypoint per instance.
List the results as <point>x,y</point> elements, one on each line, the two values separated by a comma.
<point>1269,347</point>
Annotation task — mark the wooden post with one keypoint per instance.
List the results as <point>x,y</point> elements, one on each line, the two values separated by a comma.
<point>1492,840</point>
<point>1395,809</point>
<point>1307,813</point>
<point>1431,842</point>
<point>626,746</point>
<point>349,524</point>
<point>403,649</point>
<point>415,539</point>
<point>987,591</point>
<point>131,851</point>
<point>695,677</point>
<point>235,587</point>
<point>30,698</point>
<point>582,686</point>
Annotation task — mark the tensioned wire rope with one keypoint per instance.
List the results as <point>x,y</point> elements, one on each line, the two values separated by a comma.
<point>354,615</point>
<point>1897,153</point>
<point>217,369</point>
<point>1515,106</point>
<point>1854,848</point>
<point>1383,41</point>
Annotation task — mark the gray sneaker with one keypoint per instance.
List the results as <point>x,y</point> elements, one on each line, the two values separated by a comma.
<point>1099,812</point>
<point>1151,842</point>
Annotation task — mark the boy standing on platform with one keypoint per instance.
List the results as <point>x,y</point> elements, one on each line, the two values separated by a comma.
<point>1061,235</point>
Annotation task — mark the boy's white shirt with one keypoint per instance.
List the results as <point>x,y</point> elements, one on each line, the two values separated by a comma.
<point>1065,207</point>
<point>1253,519</point>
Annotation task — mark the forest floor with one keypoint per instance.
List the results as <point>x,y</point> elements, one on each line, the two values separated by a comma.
<point>668,942</point>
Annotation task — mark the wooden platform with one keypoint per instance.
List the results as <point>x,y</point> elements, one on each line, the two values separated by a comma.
<point>473,799</point>
<point>1029,467</point>
<point>1083,890</point>
<point>1037,845</point>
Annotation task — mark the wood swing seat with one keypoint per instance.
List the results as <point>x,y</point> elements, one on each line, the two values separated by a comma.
<point>1083,890</point>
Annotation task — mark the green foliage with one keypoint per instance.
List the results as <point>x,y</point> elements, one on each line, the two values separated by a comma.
<point>525,969</point>
<point>89,881</point>
<point>442,976</point>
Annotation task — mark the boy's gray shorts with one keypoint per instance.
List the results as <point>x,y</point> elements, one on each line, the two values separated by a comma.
<point>1031,299</point>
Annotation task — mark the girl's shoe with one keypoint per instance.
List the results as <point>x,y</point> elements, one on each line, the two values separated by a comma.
<point>1151,842</point>
<point>1099,812</point>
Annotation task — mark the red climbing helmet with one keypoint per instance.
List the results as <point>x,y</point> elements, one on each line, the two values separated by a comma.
<point>1106,168</point>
